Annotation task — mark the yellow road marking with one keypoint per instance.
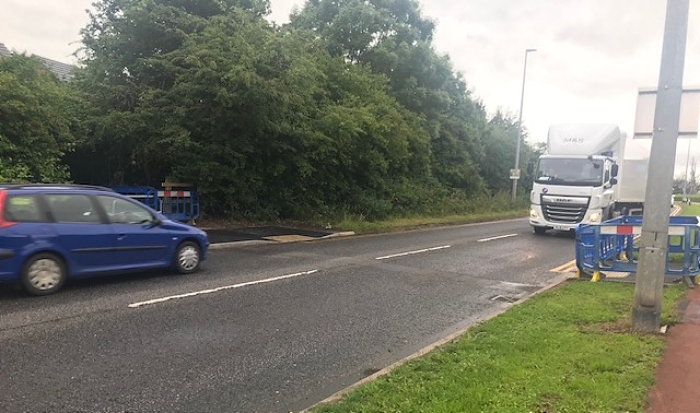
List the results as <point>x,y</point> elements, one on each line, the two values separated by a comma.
<point>571,267</point>
<point>565,267</point>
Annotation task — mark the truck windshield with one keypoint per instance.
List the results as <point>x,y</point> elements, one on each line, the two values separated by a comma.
<point>576,172</point>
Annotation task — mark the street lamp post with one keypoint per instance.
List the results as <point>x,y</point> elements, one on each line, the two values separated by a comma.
<point>516,175</point>
<point>687,162</point>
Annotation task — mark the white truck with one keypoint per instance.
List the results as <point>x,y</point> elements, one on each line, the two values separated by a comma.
<point>577,179</point>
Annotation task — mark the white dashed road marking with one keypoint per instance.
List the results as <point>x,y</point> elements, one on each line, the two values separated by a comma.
<point>403,254</point>
<point>214,290</point>
<point>495,238</point>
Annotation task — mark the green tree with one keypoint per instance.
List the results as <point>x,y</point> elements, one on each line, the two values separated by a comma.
<point>499,143</point>
<point>394,39</point>
<point>265,122</point>
<point>347,109</point>
<point>127,49</point>
<point>355,29</point>
<point>37,121</point>
<point>294,130</point>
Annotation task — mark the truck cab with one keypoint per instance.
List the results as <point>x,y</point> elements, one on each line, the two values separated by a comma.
<point>568,190</point>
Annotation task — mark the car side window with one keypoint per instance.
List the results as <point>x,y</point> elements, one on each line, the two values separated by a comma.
<point>72,208</point>
<point>23,208</point>
<point>121,211</point>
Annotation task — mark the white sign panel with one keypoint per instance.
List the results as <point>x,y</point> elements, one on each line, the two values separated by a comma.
<point>646,106</point>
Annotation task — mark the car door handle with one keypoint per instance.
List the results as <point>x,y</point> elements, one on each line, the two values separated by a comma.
<point>121,237</point>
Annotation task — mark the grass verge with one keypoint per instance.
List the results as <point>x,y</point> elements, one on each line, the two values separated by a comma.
<point>570,349</point>
<point>690,210</point>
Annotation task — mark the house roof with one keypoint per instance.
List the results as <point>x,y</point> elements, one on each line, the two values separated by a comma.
<point>64,71</point>
<point>4,51</point>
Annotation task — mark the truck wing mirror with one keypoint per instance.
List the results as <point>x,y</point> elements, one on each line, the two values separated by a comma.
<point>615,170</point>
<point>613,181</point>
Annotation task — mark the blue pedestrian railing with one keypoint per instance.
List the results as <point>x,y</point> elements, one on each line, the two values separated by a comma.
<point>610,246</point>
<point>177,205</point>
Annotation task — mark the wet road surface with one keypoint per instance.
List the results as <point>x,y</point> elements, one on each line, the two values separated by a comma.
<point>265,328</point>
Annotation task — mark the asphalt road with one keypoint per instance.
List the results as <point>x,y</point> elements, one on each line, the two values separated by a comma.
<point>265,328</point>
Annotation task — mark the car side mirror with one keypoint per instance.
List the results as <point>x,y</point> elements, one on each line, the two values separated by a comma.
<point>614,171</point>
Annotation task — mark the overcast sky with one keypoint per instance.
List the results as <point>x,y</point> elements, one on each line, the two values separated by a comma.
<point>592,56</point>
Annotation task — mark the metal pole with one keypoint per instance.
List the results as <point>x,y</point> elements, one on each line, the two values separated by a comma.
<point>520,126</point>
<point>646,311</point>
<point>687,162</point>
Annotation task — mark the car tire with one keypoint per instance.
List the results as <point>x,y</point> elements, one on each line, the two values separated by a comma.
<point>187,258</point>
<point>43,274</point>
<point>540,230</point>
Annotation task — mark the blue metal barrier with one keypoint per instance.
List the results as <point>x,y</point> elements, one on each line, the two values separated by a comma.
<point>179,205</point>
<point>182,206</point>
<point>610,246</point>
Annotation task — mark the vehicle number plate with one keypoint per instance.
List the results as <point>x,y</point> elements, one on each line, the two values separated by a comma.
<point>561,228</point>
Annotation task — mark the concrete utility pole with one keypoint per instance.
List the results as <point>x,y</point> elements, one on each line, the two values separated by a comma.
<point>520,129</point>
<point>646,312</point>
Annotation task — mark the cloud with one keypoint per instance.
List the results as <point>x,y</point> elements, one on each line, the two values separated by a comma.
<point>45,28</point>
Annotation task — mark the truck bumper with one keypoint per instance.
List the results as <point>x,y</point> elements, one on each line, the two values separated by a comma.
<point>537,219</point>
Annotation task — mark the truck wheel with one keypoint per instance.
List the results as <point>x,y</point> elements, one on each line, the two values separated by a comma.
<point>540,230</point>
<point>43,274</point>
<point>187,257</point>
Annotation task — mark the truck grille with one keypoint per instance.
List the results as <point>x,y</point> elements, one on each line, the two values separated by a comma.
<point>564,213</point>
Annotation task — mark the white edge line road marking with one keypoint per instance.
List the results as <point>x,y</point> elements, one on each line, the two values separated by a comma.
<point>413,252</point>
<point>495,238</point>
<point>213,290</point>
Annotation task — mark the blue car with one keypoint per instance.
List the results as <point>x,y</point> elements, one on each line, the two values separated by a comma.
<point>49,233</point>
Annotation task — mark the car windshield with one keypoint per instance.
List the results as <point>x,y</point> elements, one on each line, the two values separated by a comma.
<point>563,171</point>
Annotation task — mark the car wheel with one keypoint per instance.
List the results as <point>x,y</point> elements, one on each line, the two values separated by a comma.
<point>540,230</point>
<point>187,257</point>
<point>43,274</point>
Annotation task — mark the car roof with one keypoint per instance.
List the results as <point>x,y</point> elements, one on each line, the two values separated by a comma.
<point>9,186</point>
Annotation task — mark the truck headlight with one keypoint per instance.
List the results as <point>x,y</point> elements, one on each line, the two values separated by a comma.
<point>594,217</point>
<point>534,214</point>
